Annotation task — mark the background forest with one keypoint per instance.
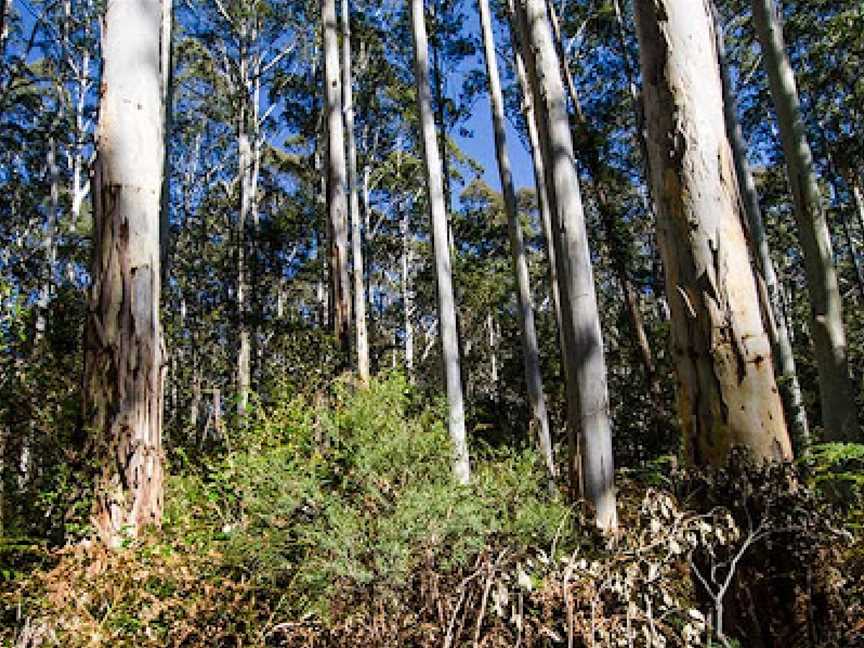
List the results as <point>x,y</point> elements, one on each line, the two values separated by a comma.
<point>310,375</point>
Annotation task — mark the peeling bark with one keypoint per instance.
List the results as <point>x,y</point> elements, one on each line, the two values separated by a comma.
<point>726,389</point>
<point>768,286</point>
<point>124,348</point>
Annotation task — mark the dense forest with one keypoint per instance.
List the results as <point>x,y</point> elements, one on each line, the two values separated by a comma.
<point>431,323</point>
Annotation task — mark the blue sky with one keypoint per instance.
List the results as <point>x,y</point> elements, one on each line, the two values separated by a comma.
<point>481,146</point>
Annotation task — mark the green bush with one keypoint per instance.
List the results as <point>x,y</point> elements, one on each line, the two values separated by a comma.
<point>314,499</point>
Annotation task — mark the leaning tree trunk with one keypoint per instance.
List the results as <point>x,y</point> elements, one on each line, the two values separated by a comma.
<point>530,347</point>
<point>337,204</point>
<point>539,175</point>
<point>727,394</point>
<point>839,416</point>
<point>775,324</point>
<point>123,352</point>
<point>361,332</point>
<point>443,271</point>
<point>588,425</point>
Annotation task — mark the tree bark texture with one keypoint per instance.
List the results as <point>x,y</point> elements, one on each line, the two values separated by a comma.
<point>360,330</point>
<point>839,416</point>
<point>727,394</point>
<point>443,271</point>
<point>525,308</point>
<point>775,318</point>
<point>588,425</point>
<point>337,203</point>
<point>124,349</point>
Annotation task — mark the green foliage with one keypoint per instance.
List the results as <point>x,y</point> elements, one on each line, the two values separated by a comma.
<point>317,499</point>
<point>836,471</point>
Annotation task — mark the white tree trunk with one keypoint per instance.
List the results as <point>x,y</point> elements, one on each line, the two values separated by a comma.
<point>588,425</point>
<point>727,393</point>
<point>407,296</point>
<point>123,352</point>
<point>443,272</point>
<point>361,332</point>
<point>839,416</point>
<point>337,203</point>
<point>778,331</point>
<point>530,347</point>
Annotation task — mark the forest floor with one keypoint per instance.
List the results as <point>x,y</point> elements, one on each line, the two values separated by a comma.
<point>337,524</point>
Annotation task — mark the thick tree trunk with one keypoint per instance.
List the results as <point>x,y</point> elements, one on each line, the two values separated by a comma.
<point>337,203</point>
<point>443,272</point>
<point>530,346</point>
<point>123,352</point>
<point>775,318</point>
<point>727,393</point>
<point>588,425</point>
<point>361,332</point>
<point>839,416</point>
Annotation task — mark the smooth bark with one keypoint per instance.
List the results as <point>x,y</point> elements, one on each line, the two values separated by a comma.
<point>771,296</point>
<point>525,308</point>
<point>124,348</point>
<point>337,203</point>
<point>360,330</point>
<point>588,425</point>
<point>539,173</point>
<point>443,270</point>
<point>839,416</point>
<point>727,394</point>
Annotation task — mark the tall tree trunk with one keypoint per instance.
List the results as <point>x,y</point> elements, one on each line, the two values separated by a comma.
<point>539,173</point>
<point>727,394</point>
<point>588,426</point>
<point>167,76</point>
<point>407,294</point>
<point>123,351</point>
<point>80,186</point>
<point>839,416</point>
<point>443,272</point>
<point>586,144</point>
<point>360,329</point>
<point>775,324</point>
<point>337,204</point>
<point>50,241</point>
<point>530,347</point>
<point>244,377</point>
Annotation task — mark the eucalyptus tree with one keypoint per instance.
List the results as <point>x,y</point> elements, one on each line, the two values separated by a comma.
<point>337,178</point>
<point>443,271</point>
<point>588,424</point>
<point>768,286</point>
<point>525,308</point>
<point>726,388</point>
<point>360,329</point>
<point>124,349</point>
<point>839,412</point>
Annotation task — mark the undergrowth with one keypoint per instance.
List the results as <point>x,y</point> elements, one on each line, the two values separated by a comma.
<point>332,519</point>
